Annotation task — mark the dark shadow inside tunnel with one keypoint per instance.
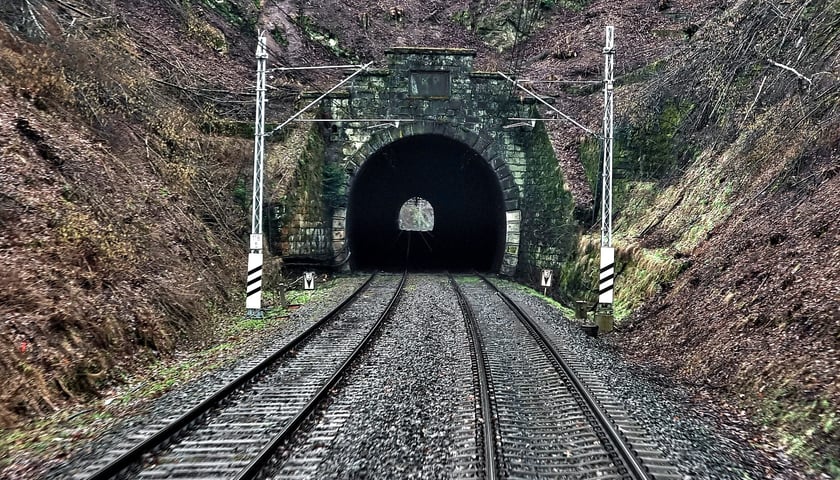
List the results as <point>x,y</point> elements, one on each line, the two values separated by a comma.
<point>469,218</point>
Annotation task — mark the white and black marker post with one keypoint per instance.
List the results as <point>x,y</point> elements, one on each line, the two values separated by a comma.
<point>545,280</point>
<point>607,270</point>
<point>253,289</point>
<point>606,277</point>
<point>309,280</point>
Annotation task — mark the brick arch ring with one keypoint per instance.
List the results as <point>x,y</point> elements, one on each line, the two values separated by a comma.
<point>485,147</point>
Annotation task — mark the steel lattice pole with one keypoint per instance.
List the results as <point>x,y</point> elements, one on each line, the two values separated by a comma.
<point>606,173</point>
<point>253,289</point>
<point>606,274</point>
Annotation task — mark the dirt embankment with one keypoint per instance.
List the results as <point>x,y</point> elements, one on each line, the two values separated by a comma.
<point>755,321</point>
<point>119,225</point>
<point>754,317</point>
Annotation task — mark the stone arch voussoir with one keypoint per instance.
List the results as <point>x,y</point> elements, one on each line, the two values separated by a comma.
<point>485,146</point>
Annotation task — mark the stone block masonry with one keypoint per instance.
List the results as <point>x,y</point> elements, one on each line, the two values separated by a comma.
<point>432,91</point>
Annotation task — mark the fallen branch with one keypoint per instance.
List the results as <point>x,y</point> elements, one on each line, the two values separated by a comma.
<point>203,91</point>
<point>790,69</point>
<point>760,87</point>
<point>35,21</point>
<point>776,9</point>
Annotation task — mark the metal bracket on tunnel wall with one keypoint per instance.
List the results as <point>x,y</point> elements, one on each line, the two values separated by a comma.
<point>513,220</point>
<point>339,236</point>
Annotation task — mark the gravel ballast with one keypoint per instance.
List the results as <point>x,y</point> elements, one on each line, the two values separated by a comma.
<point>684,431</point>
<point>408,409</point>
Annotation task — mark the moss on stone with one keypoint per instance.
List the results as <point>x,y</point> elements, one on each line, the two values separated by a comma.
<point>299,217</point>
<point>548,228</point>
<point>644,151</point>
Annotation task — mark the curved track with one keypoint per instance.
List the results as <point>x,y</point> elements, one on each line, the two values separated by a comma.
<point>548,422</point>
<point>234,432</point>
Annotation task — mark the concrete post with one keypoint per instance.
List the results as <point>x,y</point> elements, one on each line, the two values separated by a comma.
<point>605,321</point>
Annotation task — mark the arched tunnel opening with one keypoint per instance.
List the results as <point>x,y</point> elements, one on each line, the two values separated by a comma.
<point>467,227</point>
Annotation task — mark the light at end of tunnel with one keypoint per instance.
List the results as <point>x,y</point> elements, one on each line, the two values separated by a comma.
<point>417,215</point>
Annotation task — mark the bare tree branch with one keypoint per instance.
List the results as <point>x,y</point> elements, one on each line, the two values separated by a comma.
<point>760,87</point>
<point>35,20</point>
<point>791,69</point>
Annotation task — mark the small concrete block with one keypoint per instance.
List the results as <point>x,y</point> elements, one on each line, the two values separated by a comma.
<point>605,322</point>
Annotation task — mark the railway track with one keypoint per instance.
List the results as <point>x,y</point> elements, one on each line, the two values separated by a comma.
<point>529,411</point>
<point>486,412</point>
<point>407,410</point>
<point>236,431</point>
<point>544,419</point>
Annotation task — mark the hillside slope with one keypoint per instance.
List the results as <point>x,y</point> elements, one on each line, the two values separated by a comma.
<point>749,214</point>
<point>119,228</point>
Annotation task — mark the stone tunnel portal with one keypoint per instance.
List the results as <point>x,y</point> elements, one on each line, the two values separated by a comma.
<point>469,211</point>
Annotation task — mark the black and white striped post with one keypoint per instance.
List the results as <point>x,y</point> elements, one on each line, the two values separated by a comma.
<point>606,277</point>
<point>253,288</point>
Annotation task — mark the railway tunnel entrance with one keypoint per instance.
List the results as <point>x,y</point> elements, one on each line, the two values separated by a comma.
<point>445,181</point>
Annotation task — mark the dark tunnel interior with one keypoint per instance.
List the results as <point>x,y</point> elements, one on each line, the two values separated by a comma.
<point>469,217</point>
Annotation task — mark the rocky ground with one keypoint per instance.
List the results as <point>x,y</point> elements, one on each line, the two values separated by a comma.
<point>408,409</point>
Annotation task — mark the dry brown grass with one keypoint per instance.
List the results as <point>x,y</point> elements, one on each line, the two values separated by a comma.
<point>118,223</point>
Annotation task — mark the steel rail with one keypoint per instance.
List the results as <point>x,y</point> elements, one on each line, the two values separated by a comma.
<point>255,467</point>
<point>489,430</point>
<point>135,454</point>
<point>631,462</point>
